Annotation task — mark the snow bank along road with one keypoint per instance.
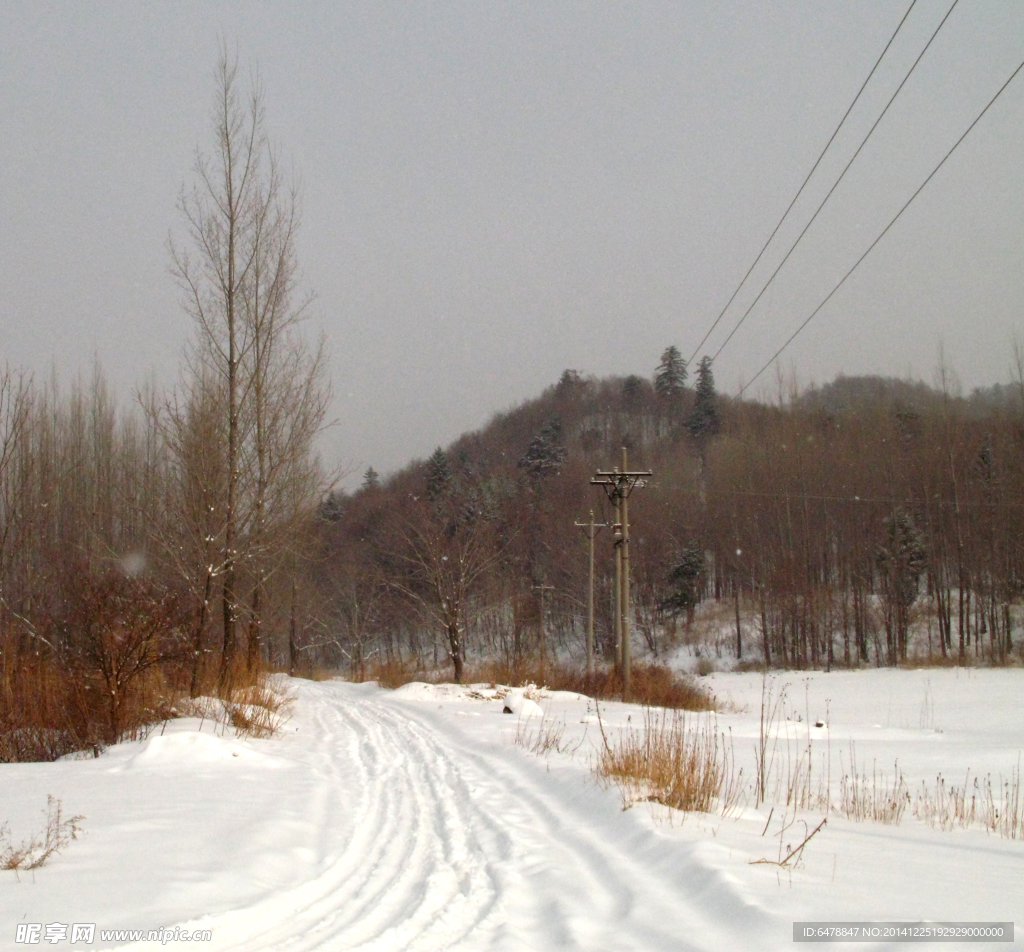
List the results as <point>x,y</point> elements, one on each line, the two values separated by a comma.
<point>372,823</point>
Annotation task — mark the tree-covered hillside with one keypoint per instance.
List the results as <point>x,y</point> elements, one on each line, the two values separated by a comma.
<point>839,523</point>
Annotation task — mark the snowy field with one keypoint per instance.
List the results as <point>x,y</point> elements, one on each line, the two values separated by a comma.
<point>425,818</point>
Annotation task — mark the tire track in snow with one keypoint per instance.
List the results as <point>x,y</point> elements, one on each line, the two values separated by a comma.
<point>453,845</point>
<point>415,872</point>
<point>577,884</point>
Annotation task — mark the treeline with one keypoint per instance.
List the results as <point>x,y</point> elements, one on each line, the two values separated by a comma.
<point>113,559</point>
<point>870,521</point>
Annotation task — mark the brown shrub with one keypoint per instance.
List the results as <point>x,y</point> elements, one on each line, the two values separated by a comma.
<point>652,684</point>
<point>120,631</point>
<point>105,670</point>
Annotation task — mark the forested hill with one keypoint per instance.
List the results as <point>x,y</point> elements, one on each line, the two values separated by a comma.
<point>837,519</point>
<point>848,394</point>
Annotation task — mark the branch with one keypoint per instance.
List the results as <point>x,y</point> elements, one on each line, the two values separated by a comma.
<point>793,852</point>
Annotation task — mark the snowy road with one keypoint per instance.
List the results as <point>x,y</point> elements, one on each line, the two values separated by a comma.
<point>449,845</point>
<point>410,820</point>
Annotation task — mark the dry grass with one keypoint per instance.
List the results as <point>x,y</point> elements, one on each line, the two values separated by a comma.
<point>542,736</point>
<point>317,673</point>
<point>790,855</point>
<point>258,709</point>
<point>652,685</point>
<point>393,674</point>
<point>875,798</point>
<point>34,852</point>
<point>672,761</point>
<point>784,760</point>
<point>784,775</point>
<point>999,808</point>
<point>45,713</point>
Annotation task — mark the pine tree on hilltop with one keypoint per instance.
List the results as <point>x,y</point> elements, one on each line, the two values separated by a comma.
<point>670,376</point>
<point>703,420</point>
<point>569,382</point>
<point>371,479</point>
<point>439,475</point>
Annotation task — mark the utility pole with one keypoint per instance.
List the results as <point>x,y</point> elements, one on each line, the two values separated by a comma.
<point>590,529</point>
<point>624,547</point>
<point>541,589</point>
<point>618,485</point>
<point>617,547</point>
<point>739,631</point>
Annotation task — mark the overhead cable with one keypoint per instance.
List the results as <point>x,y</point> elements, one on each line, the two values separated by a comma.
<point>895,218</point>
<point>803,185</point>
<point>842,174</point>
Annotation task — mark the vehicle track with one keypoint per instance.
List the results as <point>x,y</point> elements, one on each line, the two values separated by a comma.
<point>451,844</point>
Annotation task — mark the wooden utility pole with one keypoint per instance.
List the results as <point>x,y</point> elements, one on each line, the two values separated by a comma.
<point>624,546</point>
<point>590,529</point>
<point>541,589</point>
<point>618,485</point>
<point>617,548</point>
<point>739,631</point>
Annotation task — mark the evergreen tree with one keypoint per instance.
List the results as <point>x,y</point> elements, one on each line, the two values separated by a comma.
<point>632,389</point>
<point>901,558</point>
<point>568,383</point>
<point>985,464</point>
<point>545,454</point>
<point>703,420</point>
<point>685,578</point>
<point>439,475</point>
<point>670,377</point>
<point>332,508</point>
<point>371,479</point>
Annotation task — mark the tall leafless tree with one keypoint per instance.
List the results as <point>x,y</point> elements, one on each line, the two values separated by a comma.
<point>238,271</point>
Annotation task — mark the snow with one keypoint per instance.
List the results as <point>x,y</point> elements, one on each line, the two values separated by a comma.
<point>423,818</point>
<point>516,702</point>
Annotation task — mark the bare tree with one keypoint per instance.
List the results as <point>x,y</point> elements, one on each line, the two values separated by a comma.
<point>444,560</point>
<point>192,540</point>
<point>238,272</point>
<point>15,407</point>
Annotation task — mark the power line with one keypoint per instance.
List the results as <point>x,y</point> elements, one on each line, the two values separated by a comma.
<point>796,496</point>
<point>800,190</point>
<point>887,500</point>
<point>842,174</point>
<point>895,218</point>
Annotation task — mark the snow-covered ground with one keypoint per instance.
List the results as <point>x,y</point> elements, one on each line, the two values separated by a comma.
<point>414,820</point>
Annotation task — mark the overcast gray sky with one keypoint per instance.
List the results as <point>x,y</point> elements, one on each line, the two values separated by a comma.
<point>495,191</point>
